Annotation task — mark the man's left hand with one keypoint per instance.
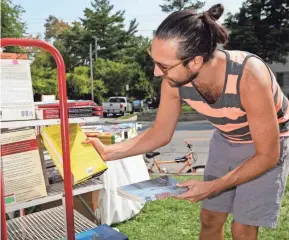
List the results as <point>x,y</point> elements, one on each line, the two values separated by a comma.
<point>198,190</point>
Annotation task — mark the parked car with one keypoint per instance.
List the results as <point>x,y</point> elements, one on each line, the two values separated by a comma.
<point>152,102</point>
<point>139,105</point>
<point>116,105</point>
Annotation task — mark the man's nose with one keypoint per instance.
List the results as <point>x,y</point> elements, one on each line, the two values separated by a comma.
<point>157,71</point>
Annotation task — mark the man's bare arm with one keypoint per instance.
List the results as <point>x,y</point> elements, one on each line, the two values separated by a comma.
<point>257,99</point>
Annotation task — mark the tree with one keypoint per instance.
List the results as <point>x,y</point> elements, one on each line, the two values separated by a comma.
<point>177,5</point>
<point>116,75</point>
<point>79,85</point>
<point>261,27</point>
<point>43,81</point>
<point>54,27</point>
<point>107,27</point>
<point>11,24</point>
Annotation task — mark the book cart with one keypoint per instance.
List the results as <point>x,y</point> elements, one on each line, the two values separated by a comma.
<point>57,222</point>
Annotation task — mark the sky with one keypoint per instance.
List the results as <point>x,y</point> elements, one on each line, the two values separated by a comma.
<point>147,12</point>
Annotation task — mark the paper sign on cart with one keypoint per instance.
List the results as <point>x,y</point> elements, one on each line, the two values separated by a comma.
<point>16,98</point>
<point>22,170</point>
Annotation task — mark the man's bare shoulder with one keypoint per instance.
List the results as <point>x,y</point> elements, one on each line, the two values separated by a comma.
<point>256,76</point>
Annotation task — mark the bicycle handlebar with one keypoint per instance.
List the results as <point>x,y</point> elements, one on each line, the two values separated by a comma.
<point>188,145</point>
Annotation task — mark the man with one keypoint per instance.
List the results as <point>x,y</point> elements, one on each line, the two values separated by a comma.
<point>248,160</point>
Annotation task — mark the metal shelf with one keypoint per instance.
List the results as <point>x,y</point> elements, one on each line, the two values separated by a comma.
<point>35,122</point>
<point>56,191</point>
<point>45,225</point>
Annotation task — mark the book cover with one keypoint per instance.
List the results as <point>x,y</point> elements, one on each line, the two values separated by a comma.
<point>22,168</point>
<point>16,92</point>
<point>102,232</point>
<point>153,189</point>
<point>84,159</point>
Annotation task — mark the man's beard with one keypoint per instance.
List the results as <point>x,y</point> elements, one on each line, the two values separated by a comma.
<point>176,83</point>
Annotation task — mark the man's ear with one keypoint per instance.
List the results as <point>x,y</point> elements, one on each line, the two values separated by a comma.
<point>196,63</point>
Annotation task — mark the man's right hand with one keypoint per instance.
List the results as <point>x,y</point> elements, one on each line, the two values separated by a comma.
<point>153,138</point>
<point>99,147</point>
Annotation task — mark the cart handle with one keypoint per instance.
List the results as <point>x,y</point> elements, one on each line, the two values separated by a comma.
<point>69,216</point>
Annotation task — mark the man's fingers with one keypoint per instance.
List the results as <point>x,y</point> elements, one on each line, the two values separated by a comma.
<point>87,140</point>
<point>188,183</point>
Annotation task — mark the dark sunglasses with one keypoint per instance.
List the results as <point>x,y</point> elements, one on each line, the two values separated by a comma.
<point>163,69</point>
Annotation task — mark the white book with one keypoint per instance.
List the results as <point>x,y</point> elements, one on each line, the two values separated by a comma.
<point>150,190</point>
<point>16,96</point>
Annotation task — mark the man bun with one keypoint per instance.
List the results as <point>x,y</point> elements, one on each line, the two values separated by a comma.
<point>216,11</point>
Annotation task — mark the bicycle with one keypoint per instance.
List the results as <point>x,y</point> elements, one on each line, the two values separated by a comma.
<point>189,161</point>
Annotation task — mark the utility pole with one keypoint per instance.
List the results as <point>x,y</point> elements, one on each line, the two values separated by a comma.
<point>91,71</point>
<point>95,48</point>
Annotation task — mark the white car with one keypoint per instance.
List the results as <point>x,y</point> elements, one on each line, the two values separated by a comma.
<point>116,106</point>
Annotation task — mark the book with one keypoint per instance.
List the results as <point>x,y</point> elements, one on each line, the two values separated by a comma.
<point>84,159</point>
<point>47,113</point>
<point>22,168</point>
<point>16,92</point>
<point>154,189</point>
<point>102,232</point>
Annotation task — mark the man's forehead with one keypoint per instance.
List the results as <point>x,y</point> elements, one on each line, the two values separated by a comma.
<point>164,50</point>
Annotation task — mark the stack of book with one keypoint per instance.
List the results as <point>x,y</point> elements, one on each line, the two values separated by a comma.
<point>110,134</point>
<point>75,109</point>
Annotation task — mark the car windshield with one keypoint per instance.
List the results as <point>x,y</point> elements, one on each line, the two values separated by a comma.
<point>136,102</point>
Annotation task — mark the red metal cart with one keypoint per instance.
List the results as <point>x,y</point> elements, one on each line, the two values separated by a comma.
<point>69,216</point>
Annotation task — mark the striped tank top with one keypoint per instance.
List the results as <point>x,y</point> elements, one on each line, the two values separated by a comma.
<point>227,113</point>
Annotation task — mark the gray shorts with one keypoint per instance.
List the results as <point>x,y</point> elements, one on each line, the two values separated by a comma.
<point>255,203</point>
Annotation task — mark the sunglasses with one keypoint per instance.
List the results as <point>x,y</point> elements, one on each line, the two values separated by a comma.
<point>162,68</point>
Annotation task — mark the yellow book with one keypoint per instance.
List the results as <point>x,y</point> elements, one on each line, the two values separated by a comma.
<point>84,159</point>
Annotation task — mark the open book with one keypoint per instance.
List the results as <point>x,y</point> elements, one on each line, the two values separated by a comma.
<point>85,160</point>
<point>153,189</point>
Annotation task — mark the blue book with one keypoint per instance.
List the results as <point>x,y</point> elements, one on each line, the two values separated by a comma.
<point>153,189</point>
<point>102,232</point>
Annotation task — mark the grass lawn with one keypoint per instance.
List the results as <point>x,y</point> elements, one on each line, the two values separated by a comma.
<point>187,108</point>
<point>173,219</point>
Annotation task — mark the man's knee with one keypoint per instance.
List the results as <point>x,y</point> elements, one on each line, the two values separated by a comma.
<point>212,219</point>
<point>242,231</point>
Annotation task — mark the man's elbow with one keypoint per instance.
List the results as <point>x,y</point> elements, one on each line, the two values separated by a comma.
<point>273,157</point>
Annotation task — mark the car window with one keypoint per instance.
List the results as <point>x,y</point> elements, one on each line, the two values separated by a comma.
<point>116,100</point>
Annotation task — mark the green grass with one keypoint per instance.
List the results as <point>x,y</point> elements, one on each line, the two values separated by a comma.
<point>173,219</point>
<point>187,108</point>
<point>127,116</point>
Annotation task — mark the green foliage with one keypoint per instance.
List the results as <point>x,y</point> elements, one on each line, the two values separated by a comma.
<point>107,27</point>
<point>43,81</point>
<point>116,75</point>
<point>261,27</point>
<point>177,5</point>
<point>54,27</point>
<point>11,24</point>
<point>79,84</point>
<point>121,56</point>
